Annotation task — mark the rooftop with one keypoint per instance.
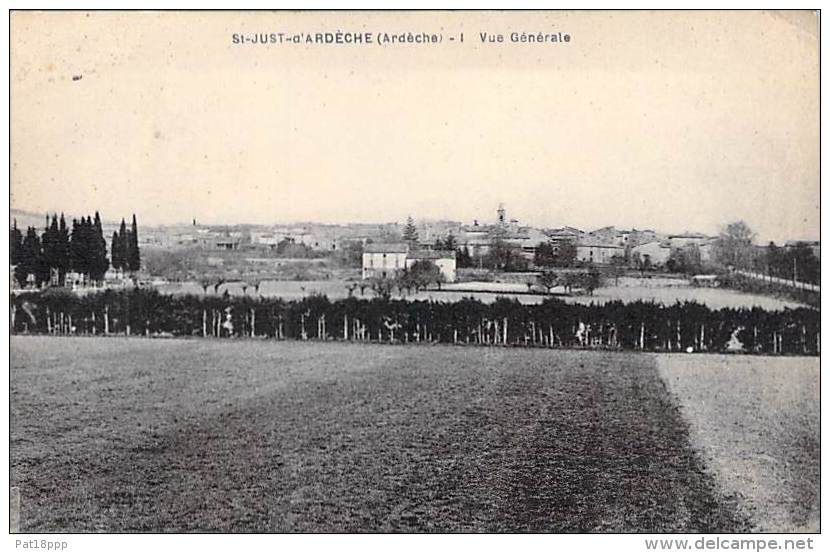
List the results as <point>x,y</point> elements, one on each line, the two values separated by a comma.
<point>595,244</point>
<point>432,254</point>
<point>390,247</point>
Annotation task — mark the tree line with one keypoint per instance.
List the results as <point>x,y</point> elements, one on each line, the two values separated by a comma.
<point>638,326</point>
<point>49,256</point>
<point>791,263</point>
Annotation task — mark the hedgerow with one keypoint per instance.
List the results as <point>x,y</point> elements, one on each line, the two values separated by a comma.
<point>553,323</point>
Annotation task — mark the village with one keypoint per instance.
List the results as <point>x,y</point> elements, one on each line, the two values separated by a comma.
<point>446,260</point>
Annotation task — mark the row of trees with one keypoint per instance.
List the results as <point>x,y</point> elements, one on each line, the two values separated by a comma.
<point>587,281</point>
<point>49,256</point>
<point>735,248</point>
<point>422,274</point>
<point>793,263</point>
<point>553,323</point>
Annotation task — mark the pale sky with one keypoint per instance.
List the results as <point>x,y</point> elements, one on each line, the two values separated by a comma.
<point>672,121</point>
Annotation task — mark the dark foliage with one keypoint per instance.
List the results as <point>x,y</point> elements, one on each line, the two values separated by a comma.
<point>57,251</point>
<point>463,259</point>
<point>553,323</point>
<point>15,244</point>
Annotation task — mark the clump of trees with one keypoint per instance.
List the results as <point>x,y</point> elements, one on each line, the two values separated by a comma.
<point>502,256</point>
<point>549,256</point>
<point>586,281</point>
<point>288,247</point>
<point>463,259</point>
<point>420,275</point>
<point>793,263</point>
<point>685,260</point>
<point>639,326</point>
<point>351,253</point>
<point>733,247</point>
<point>124,248</point>
<point>49,256</point>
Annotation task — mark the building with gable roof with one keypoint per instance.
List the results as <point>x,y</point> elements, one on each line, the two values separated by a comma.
<point>387,260</point>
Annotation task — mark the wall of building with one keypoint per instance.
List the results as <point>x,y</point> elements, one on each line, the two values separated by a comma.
<point>657,254</point>
<point>597,254</point>
<point>383,265</point>
<point>446,265</point>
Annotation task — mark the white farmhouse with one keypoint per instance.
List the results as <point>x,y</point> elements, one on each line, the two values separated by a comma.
<point>388,259</point>
<point>384,260</point>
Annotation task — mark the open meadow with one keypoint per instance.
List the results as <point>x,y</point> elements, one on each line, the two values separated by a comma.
<point>134,434</point>
<point>664,291</point>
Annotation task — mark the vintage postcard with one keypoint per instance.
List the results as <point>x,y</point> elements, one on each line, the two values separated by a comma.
<point>416,272</point>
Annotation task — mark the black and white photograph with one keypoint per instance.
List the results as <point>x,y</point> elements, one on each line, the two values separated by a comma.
<point>415,272</point>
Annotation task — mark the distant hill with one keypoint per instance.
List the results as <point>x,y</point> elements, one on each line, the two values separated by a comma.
<point>27,219</point>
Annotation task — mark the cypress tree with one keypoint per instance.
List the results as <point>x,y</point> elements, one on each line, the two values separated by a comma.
<point>63,248</point>
<point>123,246</point>
<point>98,248</point>
<point>115,254</point>
<point>50,243</point>
<point>88,248</point>
<point>32,261</point>
<point>134,258</point>
<point>85,244</point>
<point>15,243</point>
<point>75,254</point>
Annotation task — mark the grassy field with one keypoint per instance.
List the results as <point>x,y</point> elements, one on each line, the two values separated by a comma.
<point>664,291</point>
<point>123,434</point>
<point>756,421</point>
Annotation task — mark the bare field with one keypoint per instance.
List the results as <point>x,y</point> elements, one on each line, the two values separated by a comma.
<point>756,421</point>
<point>714,298</point>
<point>665,291</point>
<point>117,434</point>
